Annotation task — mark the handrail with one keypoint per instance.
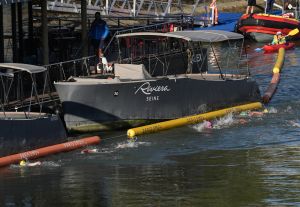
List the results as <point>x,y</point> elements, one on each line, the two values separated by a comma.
<point>136,29</point>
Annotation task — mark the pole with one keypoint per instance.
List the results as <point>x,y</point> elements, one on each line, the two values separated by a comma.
<point>106,7</point>
<point>20,28</point>
<point>30,23</point>
<point>84,28</point>
<point>14,32</point>
<point>45,45</point>
<point>134,7</point>
<point>1,35</point>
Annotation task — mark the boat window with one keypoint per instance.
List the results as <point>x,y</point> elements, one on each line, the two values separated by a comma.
<point>163,55</point>
<point>229,56</point>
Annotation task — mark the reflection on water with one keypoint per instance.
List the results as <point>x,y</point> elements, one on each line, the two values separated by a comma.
<point>233,163</point>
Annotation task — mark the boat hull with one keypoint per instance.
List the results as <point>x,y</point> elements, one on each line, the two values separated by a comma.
<point>275,48</point>
<point>267,25</point>
<point>96,106</point>
<point>18,135</point>
<point>260,37</point>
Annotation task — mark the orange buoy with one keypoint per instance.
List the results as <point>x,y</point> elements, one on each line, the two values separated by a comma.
<point>41,152</point>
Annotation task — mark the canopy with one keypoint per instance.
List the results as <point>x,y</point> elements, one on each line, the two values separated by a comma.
<point>11,1</point>
<point>192,35</point>
<point>23,67</point>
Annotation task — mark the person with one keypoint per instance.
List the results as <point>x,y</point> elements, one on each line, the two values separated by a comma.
<point>278,39</point>
<point>269,5</point>
<point>254,113</point>
<point>89,151</point>
<point>208,124</point>
<point>250,7</point>
<point>98,32</point>
<point>214,9</point>
<point>23,163</point>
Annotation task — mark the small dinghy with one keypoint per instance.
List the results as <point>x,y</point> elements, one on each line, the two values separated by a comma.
<point>275,48</point>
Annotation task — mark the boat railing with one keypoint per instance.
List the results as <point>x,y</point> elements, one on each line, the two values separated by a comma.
<point>38,94</point>
<point>159,27</point>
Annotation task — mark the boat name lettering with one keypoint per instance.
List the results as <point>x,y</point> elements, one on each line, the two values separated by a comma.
<point>196,58</point>
<point>147,89</point>
<point>29,154</point>
<point>74,144</point>
<point>152,98</point>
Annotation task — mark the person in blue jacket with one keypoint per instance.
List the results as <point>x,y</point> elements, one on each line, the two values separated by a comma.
<point>269,5</point>
<point>98,32</point>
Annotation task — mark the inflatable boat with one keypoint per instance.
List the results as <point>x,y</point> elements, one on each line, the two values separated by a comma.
<point>275,48</point>
<point>262,27</point>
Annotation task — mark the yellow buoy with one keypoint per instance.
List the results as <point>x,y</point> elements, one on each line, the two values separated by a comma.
<point>280,60</point>
<point>276,70</point>
<point>189,120</point>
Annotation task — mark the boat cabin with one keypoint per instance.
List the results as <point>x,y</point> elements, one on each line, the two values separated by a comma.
<point>23,87</point>
<point>183,52</point>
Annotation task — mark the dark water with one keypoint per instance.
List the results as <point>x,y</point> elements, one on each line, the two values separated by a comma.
<point>251,164</point>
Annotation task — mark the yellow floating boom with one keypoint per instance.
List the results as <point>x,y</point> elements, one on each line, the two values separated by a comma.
<point>276,76</point>
<point>189,120</point>
<point>280,60</point>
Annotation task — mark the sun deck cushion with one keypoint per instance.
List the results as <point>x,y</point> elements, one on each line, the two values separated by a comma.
<point>131,72</point>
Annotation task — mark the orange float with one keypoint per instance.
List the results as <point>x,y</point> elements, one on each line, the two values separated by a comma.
<point>41,152</point>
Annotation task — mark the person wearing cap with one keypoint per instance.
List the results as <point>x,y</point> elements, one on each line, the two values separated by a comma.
<point>278,39</point>
<point>24,163</point>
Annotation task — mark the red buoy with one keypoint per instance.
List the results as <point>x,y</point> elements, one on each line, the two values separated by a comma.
<point>41,152</point>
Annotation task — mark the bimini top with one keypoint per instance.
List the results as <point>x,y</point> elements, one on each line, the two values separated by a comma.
<point>23,67</point>
<point>192,35</point>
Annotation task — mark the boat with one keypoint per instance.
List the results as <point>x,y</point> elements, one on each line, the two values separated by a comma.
<point>160,76</point>
<point>262,27</point>
<point>23,123</point>
<point>275,48</point>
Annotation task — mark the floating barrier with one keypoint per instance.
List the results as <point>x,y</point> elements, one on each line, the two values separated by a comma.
<point>189,120</point>
<point>41,152</point>
<point>276,76</point>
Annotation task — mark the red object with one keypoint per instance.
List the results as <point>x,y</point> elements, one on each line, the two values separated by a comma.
<point>271,88</point>
<point>41,152</point>
<point>88,151</point>
<point>266,24</point>
<point>275,48</point>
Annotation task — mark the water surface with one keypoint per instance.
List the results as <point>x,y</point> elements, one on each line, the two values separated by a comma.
<point>253,163</point>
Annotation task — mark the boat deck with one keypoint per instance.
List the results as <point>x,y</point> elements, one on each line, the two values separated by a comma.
<point>21,115</point>
<point>116,80</point>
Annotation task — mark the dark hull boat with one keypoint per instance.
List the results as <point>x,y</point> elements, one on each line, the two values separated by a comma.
<point>21,129</point>
<point>20,133</point>
<point>262,27</point>
<point>170,98</point>
<point>136,94</point>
